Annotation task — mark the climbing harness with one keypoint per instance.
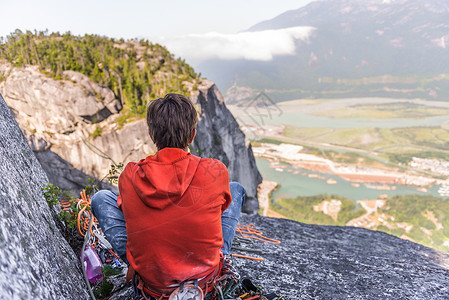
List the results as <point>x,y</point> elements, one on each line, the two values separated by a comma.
<point>219,285</point>
<point>190,288</point>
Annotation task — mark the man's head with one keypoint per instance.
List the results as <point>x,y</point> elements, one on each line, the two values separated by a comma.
<point>172,121</point>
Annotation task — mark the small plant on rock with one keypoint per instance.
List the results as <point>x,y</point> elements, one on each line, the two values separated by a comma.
<point>114,172</point>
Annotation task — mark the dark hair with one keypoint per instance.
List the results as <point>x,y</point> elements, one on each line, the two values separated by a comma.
<point>171,121</point>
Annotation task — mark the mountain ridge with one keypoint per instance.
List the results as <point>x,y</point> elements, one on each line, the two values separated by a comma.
<point>352,40</point>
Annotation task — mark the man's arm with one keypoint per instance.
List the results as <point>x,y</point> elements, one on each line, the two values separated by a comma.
<point>227,190</point>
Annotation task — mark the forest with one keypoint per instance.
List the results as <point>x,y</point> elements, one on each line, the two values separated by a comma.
<point>135,70</point>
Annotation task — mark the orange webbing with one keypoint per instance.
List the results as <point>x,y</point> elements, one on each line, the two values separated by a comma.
<point>249,257</point>
<point>249,231</point>
<point>65,204</point>
<point>83,221</point>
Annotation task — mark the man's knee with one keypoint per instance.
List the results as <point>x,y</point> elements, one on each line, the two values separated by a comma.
<point>101,198</point>
<point>238,189</point>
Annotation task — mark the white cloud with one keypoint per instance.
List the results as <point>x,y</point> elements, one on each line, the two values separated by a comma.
<point>259,45</point>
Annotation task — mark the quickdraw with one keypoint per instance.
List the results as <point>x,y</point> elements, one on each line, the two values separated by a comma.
<point>226,284</point>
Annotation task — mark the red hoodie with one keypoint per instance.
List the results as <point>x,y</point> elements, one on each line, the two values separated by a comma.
<point>172,202</point>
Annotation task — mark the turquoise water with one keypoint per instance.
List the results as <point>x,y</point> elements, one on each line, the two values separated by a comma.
<point>293,185</point>
<point>293,114</point>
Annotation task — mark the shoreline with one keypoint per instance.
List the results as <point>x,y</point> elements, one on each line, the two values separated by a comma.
<point>265,190</point>
<point>291,154</point>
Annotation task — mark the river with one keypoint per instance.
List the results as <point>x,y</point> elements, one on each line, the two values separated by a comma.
<point>300,184</point>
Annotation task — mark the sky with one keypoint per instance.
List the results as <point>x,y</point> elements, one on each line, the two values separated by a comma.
<point>132,18</point>
<point>180,25</point>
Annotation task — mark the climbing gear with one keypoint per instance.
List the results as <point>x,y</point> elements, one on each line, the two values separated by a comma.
<point>227,283</point>
<point>86,238</point>
<point>255,292</point>
<point>248,257</point>
<point>95,243</point>
<point>187,291</point>
<point>96,237</point>
<point>219,285</point>
<point>205,284</point>
<point>84,214</point>
<point>248,232</point>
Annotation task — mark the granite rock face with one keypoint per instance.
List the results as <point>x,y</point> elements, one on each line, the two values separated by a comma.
<point>71,125</point>
<point>57,118</point>
<point>329,262</point>
<point>36,261</point>
<point>220,137</point>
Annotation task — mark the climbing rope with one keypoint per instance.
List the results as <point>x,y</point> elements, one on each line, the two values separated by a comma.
<point>249,231</point>
<point>84,214</point>
<point>248,257</point>
<point>86,239</point>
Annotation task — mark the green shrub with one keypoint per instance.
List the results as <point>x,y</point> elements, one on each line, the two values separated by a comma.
<point>96,133</point>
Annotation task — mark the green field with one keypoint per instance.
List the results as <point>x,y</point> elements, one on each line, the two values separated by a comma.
<point>396,145</point>
<point>301,209</point>
<point>429,216</point>
<point>385,111</point>
<point>426,216</point>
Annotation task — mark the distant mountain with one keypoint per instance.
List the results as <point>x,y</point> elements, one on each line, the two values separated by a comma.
<point>359,47</point>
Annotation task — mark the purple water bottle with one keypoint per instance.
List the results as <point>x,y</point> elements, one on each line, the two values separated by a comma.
<point>92,264</point>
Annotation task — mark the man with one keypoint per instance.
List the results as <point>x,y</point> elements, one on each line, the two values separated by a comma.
<point>176,212</point>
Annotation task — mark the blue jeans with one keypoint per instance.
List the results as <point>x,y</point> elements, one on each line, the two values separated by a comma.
<point>112,221</point>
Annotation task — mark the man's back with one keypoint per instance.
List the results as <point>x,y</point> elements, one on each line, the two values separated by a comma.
<point>172,203</point>
<point>176,212</point>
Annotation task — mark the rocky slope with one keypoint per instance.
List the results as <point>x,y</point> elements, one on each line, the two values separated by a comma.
<point>330,262</point>
<point>72,127</point>
<point>36,261</point>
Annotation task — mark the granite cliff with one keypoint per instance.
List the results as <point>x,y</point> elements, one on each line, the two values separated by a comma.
<point>36,261</point>
<point>312,262</point>
<point>72,127</point>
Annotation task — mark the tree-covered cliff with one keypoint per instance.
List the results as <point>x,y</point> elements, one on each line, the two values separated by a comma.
<point>80,103</point>
<point>135,70</point>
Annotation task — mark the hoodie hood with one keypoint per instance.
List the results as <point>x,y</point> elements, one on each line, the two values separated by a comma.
<point>163,178</point>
